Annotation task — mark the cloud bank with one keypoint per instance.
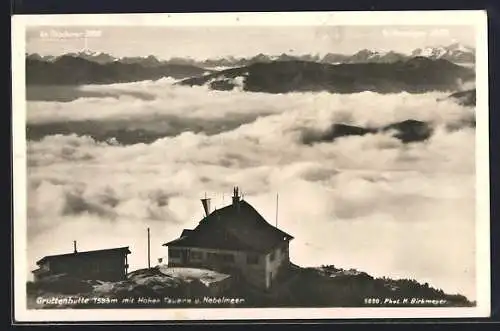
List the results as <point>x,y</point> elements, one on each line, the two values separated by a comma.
<point>369,202</point>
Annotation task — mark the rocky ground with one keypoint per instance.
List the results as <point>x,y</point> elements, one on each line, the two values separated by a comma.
<point>325,286</point>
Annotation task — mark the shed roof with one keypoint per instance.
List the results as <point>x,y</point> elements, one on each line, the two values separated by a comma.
<point>235,227</point>
<point>124,250</point>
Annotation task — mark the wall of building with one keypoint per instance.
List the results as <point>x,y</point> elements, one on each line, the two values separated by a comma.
<point>274,265</point>
<point>42,271</point>
<point>110,266</point>
<point>254,273</point>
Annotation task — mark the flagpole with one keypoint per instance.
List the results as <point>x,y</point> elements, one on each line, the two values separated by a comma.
<point>149,251</point>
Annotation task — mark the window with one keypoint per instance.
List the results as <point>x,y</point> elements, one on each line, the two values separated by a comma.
<point>228,258</point>
<point>252,259</point>
<point>174,253</point>
<point>194,255</point>
<point>221,257</point>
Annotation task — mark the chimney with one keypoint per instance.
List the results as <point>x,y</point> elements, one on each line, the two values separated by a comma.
<point>206,205</point>
<point>236,197</point>
<point>74,247</point>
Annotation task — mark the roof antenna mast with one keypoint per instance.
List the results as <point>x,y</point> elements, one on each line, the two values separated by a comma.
<point>277,209</point>
<point>74,247</point>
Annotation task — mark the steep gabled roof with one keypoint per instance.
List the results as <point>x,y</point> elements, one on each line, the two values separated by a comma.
<point>124,250</point>
<point>235,227</point>
<point>185,232</point>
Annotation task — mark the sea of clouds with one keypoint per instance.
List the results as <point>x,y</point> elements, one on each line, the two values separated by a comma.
<point>367,202</point>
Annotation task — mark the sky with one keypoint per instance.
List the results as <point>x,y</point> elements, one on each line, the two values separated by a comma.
<point>219,41</point>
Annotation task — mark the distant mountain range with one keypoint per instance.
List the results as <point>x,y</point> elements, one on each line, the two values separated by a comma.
<point>407,132</point>
<point>363,71</point>
<point>456,53</point>
<point>101,58</point>
<point>465,98</point>
<point>72,70</point>
<point>416,75</point>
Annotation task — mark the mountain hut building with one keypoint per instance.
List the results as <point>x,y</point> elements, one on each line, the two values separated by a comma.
<point>104,264</point>
<point>235,240</point>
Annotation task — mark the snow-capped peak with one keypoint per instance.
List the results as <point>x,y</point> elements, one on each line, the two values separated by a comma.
<point>459,47</point>
<point>374,54</point>
<point>455,52</point>
<point>90,52</point>
<point>435,52</point>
